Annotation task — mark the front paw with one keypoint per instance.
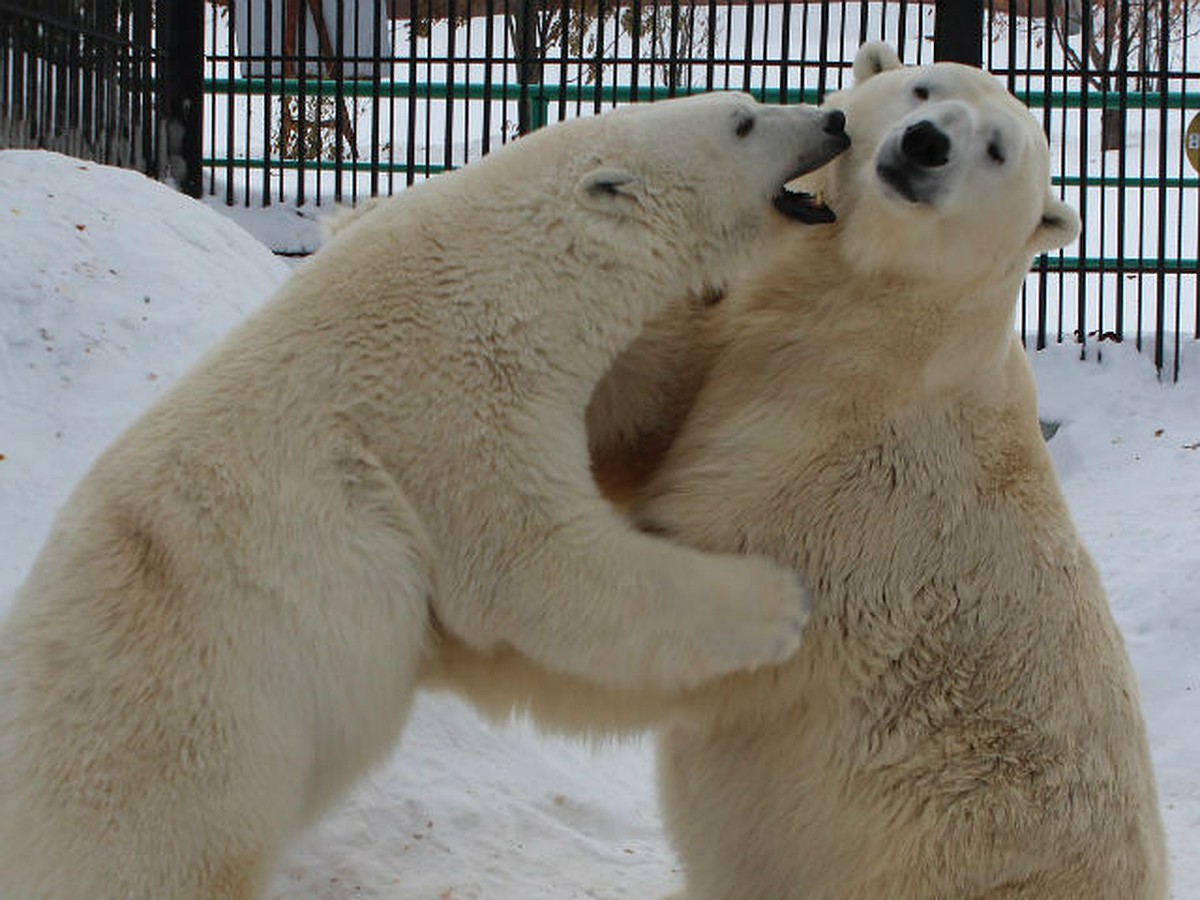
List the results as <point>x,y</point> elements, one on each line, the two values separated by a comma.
<point>762,620</point>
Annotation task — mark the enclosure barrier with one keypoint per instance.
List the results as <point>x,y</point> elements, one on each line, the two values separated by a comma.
<point>303,102</point>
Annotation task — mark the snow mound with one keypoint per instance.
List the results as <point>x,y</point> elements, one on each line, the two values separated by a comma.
<point>113,285</point>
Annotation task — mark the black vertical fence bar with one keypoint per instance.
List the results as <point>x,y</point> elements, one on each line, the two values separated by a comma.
<point>1122,162</point>
<point>212,138</point>
<point>181,41</point>
<point>6,62</point>
<point>489,38</point>
<point>451,87</point>
<point>1196,243</point>
<point>341,120</point>
<point>1160,271</point>
<point>958,31</point>
<point>426,95</point>
<point>597,60</point>
<point>393,168</point>
<point>525,45</point>
<point>230,111</point>
<point>1081,305</point>
<point>248,118</point>
<point>299,124</point>
<point>1047,79</point>
<point>410,141</point>
<point>376,90</point>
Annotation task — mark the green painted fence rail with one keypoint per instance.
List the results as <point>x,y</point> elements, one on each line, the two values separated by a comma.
<point>1130,182</point>
<point>1115,265</point>
<point>545,94</point>
<point>548,92</point>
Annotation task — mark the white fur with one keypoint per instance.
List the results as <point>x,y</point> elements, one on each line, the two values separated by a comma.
<point>225,627</point>
<point>962,720</point>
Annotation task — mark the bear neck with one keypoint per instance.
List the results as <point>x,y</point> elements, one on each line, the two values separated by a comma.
<point>892,332</point>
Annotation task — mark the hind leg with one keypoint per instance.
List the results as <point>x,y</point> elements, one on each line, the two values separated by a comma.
<point>166,733</point>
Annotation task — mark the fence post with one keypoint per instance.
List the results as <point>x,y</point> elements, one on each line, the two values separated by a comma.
<point>180,28</point>
<point>529,74</point>
<point>958,31</point>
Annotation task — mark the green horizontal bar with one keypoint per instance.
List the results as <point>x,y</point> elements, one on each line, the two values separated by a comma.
<point>1132,182</point>
<point>436,90</point>
<point>1116,265</point>
<point>324,165</point>
<point>328,165</point>
<point>550,92</point>
<point>1066,264</point>
<point>1109,100</point>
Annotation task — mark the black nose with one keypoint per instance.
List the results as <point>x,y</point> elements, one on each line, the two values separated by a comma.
<point>926,145</point>
<point>835,122</point>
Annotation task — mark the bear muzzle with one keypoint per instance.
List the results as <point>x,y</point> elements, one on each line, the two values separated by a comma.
<point>801,206</point>
<point>912,161</point>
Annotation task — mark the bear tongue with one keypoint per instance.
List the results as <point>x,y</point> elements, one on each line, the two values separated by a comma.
<point>803,207</point>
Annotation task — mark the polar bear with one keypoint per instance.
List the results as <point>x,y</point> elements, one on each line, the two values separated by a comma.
<point>225,626</point>
<point>962,719</point>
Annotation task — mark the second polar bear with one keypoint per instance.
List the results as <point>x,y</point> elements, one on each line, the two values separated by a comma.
<point>225,626</point>
<point>962,720</point>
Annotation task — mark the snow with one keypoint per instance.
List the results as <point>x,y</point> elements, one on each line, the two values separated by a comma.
<point>111,285</point>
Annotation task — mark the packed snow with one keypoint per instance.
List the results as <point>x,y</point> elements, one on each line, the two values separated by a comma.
<point>111,285</point>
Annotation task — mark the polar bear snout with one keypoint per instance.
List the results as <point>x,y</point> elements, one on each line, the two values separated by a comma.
<point>925,145</point>
<point>833,128</point>
<point>917,157</point>
<point>817,135</point>
<point>835,123</point>
<point>914,159</point>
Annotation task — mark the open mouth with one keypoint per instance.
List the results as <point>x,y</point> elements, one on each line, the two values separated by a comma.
<point>801,206</point>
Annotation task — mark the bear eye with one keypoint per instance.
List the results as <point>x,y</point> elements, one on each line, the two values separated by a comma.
<point>921,92</point>
<point>745,125</point>
<point>995,152</point>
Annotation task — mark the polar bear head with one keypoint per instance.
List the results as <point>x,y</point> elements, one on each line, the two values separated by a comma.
<point>676,187</point>
<point>947,176</point>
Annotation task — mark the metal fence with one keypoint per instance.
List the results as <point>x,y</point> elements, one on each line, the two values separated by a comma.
<point>106,80</point>
<point>317,101</point>
<point>1117,86</point>
<point>77,77</point>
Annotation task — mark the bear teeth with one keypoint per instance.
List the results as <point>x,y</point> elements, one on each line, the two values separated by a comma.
<point>801,206</point>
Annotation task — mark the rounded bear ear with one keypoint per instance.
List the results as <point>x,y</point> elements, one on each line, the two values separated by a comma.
<point>874,57</point>
<point>1058,226</point>
<point>610,189</point>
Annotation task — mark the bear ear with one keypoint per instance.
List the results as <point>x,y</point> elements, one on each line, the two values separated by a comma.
<point>1059,226</point>
<point>874,57</point>
<point>610,189</point>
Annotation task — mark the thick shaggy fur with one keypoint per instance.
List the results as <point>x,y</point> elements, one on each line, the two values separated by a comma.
<point>225,627</point>
<point>961,720</point>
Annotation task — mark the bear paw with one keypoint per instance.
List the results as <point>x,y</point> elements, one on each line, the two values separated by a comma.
<point>753,615</point>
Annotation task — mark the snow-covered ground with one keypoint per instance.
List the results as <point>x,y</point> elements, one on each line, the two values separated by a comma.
<point>110,285</point>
